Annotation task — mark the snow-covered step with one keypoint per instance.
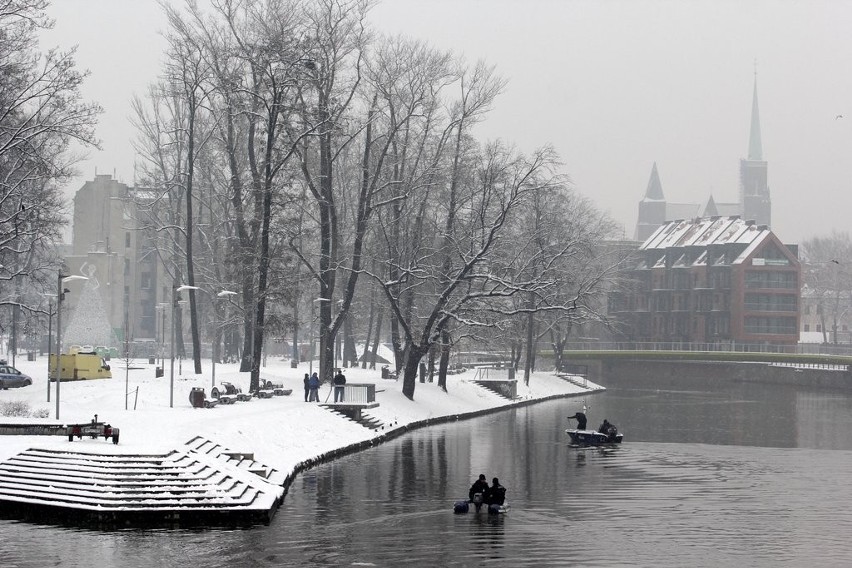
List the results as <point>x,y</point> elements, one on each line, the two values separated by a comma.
<point>175,487</point>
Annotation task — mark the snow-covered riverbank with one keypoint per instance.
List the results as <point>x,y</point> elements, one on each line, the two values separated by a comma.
<point>283,431</point>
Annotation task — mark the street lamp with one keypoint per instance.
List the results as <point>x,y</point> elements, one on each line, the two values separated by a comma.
<point>175,292</point>
<point>222,294</point>
<point>60,295</point>
<point>49,338</point>
<point>161,307</point>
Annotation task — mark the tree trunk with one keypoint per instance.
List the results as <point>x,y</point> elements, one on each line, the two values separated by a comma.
<point>350,353</point>
<point>369,327</point>
<point>190,262</point>
<point>530,348</point>
<point>295,347</point>
<point>412,363</point>
<point>377,340</point>
<point>443,365</point>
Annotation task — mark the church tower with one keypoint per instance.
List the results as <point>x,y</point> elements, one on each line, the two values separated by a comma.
<point>754,190</point>
<point>652,208</point>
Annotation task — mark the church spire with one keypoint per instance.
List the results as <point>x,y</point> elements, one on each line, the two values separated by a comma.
<point>755,148</point>
<point>655,188</point>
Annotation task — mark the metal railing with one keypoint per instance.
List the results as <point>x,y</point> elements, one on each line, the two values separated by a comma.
<point>359,393</point>
<point>721,346</point>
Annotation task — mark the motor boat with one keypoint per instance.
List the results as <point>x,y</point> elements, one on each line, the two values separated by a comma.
<point>462,507</point>
<point>594,438</point>
<point>478,502</point>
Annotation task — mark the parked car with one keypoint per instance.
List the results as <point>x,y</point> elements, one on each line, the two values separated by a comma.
<point>11,378</point>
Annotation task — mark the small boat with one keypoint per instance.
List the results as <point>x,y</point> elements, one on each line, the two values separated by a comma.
<point>462,507</point>
<point>593,438</point>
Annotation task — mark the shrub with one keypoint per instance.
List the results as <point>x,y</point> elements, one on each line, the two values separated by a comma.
<point>22,409</point>
<point>15,408</point>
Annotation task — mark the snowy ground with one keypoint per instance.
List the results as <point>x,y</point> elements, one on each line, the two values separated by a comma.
<point>281,431</point>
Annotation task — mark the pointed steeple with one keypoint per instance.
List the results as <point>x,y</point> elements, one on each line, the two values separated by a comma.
<point>755,148</point>
<point>655,188</point>
<point>710,209</point>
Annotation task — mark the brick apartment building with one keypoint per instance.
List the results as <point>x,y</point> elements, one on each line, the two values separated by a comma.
<point>717,280</point>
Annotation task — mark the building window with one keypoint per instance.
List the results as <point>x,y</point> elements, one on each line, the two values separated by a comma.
<point>771,302</point>
<point>819,327</point>
<point>807,327</point>
<point>771,279</point>
<point>771,325</point>
<point>127,239</point>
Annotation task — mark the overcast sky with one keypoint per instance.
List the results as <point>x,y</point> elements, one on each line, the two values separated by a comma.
<point>614,86</point>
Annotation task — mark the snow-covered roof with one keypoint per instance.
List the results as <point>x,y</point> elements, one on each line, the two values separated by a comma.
<point>706,231</point>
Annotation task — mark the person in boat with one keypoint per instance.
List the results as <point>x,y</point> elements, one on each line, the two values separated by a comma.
<point>496,493</point>
<point>479,487</point>
<point>608,429</point>
<point>580,417</point>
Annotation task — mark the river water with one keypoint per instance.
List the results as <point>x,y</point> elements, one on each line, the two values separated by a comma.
<point>726,475</point>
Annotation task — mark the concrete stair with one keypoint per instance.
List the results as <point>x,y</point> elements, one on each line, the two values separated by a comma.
<point>241,460</point>
<point>496,387</point>
<point>177,487</point>
<point>362,418</point>
<point>578,380</point>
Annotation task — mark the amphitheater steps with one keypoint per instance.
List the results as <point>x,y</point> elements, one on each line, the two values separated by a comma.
<point>241,460</point>
<point>177,487</point>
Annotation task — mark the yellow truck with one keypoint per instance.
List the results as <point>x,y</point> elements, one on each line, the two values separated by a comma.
<point>79,366</point>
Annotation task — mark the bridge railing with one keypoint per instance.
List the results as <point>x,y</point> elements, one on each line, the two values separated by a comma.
<point>728,347</point>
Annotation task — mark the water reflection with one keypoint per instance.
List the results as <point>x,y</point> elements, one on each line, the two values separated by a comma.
<point>707,476</point>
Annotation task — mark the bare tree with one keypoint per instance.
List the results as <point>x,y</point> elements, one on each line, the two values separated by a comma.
<point>828,277</point>
<point>42,115</point>
<point>454,276</point>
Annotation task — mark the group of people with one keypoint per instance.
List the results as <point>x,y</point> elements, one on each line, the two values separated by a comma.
<point>481,492</point>
<point>312,384</point>
<point>606,426</point>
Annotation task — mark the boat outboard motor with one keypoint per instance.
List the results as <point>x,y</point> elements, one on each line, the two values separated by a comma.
<point>460,507</point>
<point>477,500</point>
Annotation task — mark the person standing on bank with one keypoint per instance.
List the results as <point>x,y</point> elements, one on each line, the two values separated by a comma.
<point>313,385</point>
<point>339,382</point>
<point>307,386</point>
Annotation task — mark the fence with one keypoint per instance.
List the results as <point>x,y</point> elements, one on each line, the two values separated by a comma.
<point>359,393</point>
<point>727,347</point>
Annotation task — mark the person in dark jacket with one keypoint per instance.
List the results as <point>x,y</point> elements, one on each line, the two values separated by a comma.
<point>314,384</point>
<point>608,429</point>
<point>580,417</point>
<point>496,493</point>
<point>307,386</point>
<point>479,487</point>
<point>339,382</point>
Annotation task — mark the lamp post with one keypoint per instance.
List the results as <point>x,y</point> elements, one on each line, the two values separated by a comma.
<point>49,340</point>
<point>60,295</point>
<point>175,291</point>
<point>161,307</point>
<point>222,294</point>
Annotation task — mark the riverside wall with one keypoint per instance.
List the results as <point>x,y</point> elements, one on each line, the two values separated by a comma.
<point>599,370</point>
